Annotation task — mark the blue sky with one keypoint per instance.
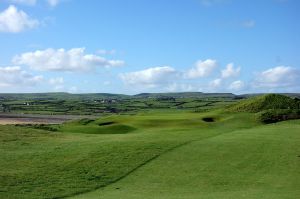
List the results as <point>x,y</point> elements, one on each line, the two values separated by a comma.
<point>133,46</point>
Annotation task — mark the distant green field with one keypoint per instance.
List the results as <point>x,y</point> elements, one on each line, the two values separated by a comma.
<point>103,104</point>
<point>158,153</point>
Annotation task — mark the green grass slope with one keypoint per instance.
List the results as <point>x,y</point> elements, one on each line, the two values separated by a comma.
<point>88,126</point>
<point>44,164</point>
<point>270,108</point>
<point>265,102</point>
<point>260,162</point>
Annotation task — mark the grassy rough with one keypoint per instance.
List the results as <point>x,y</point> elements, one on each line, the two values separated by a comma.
<point>265,102</point>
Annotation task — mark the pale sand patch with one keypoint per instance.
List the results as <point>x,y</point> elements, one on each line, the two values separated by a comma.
<point>12,118</point>
<point>4,121</point>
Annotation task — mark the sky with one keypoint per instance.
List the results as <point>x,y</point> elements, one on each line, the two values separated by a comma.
<point>135,46</point>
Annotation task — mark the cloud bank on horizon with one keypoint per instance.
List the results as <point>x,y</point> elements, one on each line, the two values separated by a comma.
<point>144,52</point>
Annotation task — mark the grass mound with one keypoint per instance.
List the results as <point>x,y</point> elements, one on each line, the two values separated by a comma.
<point>97,129</point>
<point>90,126</point>
<point>265,102</point>
<point>117,129</point>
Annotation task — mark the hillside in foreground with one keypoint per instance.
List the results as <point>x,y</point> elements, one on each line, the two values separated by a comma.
<point>269,108</point>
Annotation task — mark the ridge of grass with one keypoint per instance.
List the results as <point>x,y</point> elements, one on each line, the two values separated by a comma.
<point>265,102</point>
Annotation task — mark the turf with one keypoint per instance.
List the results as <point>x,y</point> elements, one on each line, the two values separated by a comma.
<point>261,162</point>
<point>155,154</point>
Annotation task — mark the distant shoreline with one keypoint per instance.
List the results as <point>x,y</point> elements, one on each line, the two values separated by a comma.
<point>13,118</point>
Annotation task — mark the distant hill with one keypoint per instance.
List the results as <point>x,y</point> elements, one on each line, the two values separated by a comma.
<point>185,95</point>
<point>60,96</point>
<point>265,102</point>
<point>95,96</point>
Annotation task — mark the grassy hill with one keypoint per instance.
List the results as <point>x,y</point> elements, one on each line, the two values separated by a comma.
<point>265,102</point>
<point>60,96</point>
<point>269,108</point>
<point>185,95</point>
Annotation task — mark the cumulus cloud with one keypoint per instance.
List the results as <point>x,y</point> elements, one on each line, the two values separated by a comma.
<point>14,76</point>
<point>201,69</point>
<point>74,59</point>
<point>13,20</point>
<point>237,85</point>
<point>278,77</point>
<point>230,71</point>
<point>151,77</point>
<point>57,83</point>
<point>216,83</point>
<point>179,87</point>
<point>51,3</point>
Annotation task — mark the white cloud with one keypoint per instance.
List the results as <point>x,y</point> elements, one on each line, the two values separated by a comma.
<point>57,80</point>
<point>57,83</point>
<point>230,71</point>
<point>14,76</point>
<point>74,59</point>
<point>14,20</point>
<point>248,24</point>
<point>278,77</point>
<point>201,69</point>
<point>151,77</point>
<point>24,2</point>
<point>215,83</point>
<point>237,85</point>
<point>179,87</point>
<point>53,3</point>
